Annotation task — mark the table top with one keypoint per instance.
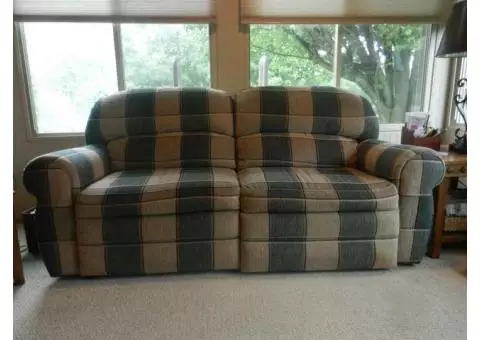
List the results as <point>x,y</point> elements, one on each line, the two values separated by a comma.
<point>454,158</point>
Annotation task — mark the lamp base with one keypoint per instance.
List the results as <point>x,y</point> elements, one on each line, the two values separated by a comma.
<point>460,145</point>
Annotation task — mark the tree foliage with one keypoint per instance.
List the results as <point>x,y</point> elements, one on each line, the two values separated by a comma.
<point>149,52</point>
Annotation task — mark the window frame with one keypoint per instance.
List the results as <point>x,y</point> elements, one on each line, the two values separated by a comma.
<point>24,68</point>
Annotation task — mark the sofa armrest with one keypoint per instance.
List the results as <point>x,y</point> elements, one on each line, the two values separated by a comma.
<point>415,170</point>
<point>56,177</point>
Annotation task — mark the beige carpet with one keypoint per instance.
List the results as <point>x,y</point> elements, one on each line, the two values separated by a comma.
<point>427,301</point>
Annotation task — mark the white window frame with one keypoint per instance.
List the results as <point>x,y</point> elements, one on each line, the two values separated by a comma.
<point>22,56</point>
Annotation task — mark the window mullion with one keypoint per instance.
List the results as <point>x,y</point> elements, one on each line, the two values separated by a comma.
<point>337,63</point>
<point>117,42</point>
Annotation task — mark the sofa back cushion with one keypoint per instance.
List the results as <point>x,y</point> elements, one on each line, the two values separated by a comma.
<point>301,126</point>
<point>165,127</point>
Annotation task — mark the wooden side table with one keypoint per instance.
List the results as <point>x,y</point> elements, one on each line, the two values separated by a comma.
<point>18,277</point>
<point>456,166</point>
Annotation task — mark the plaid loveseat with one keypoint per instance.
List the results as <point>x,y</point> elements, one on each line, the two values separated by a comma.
<point>154,191</point>
<point>165,184</point>
<point>319,192</point>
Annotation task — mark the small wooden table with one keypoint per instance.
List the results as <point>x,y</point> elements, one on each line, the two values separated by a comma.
<point>456,166</point>
<point>18,277</point>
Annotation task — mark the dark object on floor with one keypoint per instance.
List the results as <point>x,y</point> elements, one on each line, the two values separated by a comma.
<point>28,217</point>
<point>18,277</point>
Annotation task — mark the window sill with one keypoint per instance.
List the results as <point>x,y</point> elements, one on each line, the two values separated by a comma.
<point>45,136</point>
<point>391,127</point>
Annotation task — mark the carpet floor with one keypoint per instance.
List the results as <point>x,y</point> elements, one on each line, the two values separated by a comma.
<point>426,301</point>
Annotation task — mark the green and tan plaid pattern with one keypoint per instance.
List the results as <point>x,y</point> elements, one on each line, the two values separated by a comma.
<point>302,219</point>
<point>55,180</point>
<point>305,127</point>
<point>313,110</point>
<point>157,258</point>
<point>326,226</point>
<point>159,244</point>
<point>296,150</point>
<point>173,127</point>
<point>130,220</point>
<point>282,190</point>
<point>416,171</point>
<point>160,192</point>
<point>294,256</point>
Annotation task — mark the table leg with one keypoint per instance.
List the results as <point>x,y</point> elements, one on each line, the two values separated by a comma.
<point>18,277</point>
<point>440,203</point>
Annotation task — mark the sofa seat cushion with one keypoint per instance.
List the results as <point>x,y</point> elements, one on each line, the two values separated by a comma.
<point>282,190</point>
<point>159,192</point>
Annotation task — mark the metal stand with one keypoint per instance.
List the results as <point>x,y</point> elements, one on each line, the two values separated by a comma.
<point>460,144</point>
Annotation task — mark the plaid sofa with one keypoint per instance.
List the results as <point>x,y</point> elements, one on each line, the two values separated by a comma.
<point>154,191</point>
<point>168,183</point>
<point>319,192</point>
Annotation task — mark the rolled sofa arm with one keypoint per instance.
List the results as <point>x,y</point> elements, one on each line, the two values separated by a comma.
<point>55,179</point>
<point>415,171</point>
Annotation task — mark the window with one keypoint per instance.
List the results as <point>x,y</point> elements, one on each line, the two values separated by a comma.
<point>166,55</point>
<point>385,63</point>
<point>71,65</point>
<point>285,55</point>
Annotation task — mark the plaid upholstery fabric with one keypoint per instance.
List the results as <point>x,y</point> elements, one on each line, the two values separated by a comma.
<point>156,258</point>
<point>315,110</point>
<point>204,226</point>
<point>160,192</point>
<point>319,226</point>
<point>55,179</point>
<point>416,171</point>
<point>172,127</point>
<point>295,149</point>
<point>278,256</point>
<point>172,150</point>
<point>305,127</point>
<point>282,190</point>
